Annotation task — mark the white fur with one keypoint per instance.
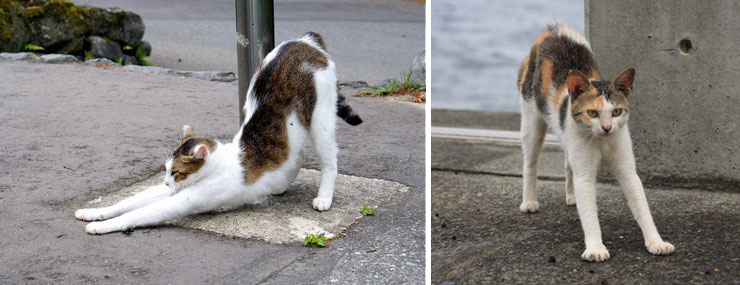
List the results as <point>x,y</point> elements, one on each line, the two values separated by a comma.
<point>219,183</point>
<point>585,146</point>
<point>567,31</point>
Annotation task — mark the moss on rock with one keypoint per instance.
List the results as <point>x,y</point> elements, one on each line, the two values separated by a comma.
<point>15,31</point>
<point>58,25</point>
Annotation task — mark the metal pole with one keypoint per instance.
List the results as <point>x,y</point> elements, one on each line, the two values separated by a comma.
<point>255,37</point>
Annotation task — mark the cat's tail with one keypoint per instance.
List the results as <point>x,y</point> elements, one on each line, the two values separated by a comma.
<point>345,112</point>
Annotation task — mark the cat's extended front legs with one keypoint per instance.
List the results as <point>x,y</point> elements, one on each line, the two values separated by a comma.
<point>585,165</point>
<point>176,206</point>
<point>623,166</point>
<point>139,200</point>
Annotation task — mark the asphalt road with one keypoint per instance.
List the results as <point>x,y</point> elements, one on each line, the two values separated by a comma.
<point>370,40</point>
<point>480,236</point>
<point>74,132</point>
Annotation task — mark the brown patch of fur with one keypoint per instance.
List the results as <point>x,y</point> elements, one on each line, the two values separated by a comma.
<point>522,73</point>
<point>542,38</point>
<point>589,100</point>
<point>558,97</point>
<point>183,162</point>
<point>282,86</point>
<point>546,69</point>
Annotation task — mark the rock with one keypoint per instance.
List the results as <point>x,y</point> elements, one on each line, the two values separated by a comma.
<point>103,48</point>
<point>418,67</point>
<point>148,69</point>
<point>17,56</point>
<point>128,60</point>
<point>221,76</point>
<point>101,61</point>
<point>118,25</point>
<point>355,84</point>
<point>57,58</point>
<point>14,29</point>
<point>146,48</point>
<point>57,25</point>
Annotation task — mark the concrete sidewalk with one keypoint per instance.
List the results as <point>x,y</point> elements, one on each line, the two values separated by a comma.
<point>73,133</point>
<point>479,235</point>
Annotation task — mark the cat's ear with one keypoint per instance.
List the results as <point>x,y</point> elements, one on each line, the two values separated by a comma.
<point>623,81</point>
<point>201,152</point>
<point>577,84</point>
<point>187,132</point>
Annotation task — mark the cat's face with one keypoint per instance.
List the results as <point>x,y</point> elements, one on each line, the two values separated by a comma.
<point>601,107</point>
<point>189,157</point>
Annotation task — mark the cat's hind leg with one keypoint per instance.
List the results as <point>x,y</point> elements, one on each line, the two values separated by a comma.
<point>137,201</point>
<point>533,130</point>
<point>323,136</point>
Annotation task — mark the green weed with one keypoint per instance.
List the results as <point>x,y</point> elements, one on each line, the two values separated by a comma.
<point>368,210</point>
<point>32,47</point>
<point>314,241</point>
<point>140,57</point>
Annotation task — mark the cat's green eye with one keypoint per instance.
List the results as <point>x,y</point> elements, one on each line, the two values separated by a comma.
<point>616,112</point>
<point>593,113</point>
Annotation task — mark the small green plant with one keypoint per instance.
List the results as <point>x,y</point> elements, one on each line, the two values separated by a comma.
<point>32,47</point>
<point>88,55</point>
<point>127,47</point>
<point>368,210</point>
<point>140,57</point>
<point>119,61</point>
<point>408,83</point>
<point>314,241</point>
<point>393,86</point>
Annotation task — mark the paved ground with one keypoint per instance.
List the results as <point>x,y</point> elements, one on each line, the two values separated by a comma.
<point>479,235</point>
<point>370,40</point>
<point>75,132</point>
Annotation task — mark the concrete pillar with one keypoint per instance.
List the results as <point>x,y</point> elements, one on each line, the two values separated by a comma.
<point>686,98</point>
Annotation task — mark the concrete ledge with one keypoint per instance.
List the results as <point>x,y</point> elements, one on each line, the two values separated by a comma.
<point>286,218</point>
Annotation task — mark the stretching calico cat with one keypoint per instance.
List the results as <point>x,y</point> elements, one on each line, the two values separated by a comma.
<point>291,99</point>
<point>561,88</point>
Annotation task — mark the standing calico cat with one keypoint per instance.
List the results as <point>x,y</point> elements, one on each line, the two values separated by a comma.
<point>291,99</point>
<point>561,89</point>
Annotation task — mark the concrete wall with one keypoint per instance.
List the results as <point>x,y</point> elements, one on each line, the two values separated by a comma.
<point>686,100</point>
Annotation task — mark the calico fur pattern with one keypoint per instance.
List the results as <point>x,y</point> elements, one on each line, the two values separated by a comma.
<point>561,90</point>
<point>292,99</point>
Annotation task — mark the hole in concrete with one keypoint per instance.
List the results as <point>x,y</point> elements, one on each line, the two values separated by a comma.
<point>685,46</point>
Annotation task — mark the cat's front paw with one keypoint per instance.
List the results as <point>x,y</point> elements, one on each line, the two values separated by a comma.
<point>321,204</point>
<point>660,247</point>
<point>90,215</point>
<point>529,206</point>
<point>99,228</point>
<point>570,200</point>
<point>595,253</point>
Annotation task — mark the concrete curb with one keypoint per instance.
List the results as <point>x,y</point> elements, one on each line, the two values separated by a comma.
<point>220,76</point>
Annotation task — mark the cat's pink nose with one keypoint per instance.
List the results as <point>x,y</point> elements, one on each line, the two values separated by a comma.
<point>606,128</point>
<point>166,184</point>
